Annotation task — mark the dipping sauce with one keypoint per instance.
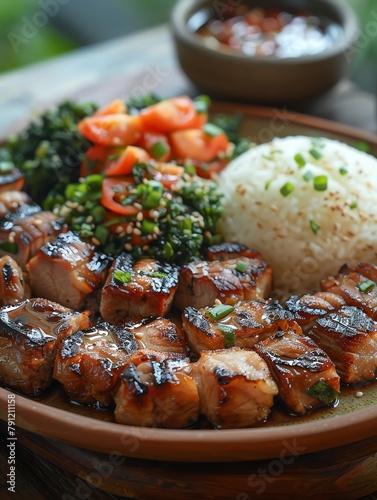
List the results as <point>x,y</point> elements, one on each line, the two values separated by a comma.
<point>271,32</point>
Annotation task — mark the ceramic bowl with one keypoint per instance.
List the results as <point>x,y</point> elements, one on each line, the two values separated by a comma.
<point>266,79</point>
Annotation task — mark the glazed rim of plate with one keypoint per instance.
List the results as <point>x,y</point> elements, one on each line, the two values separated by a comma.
<point>191,444</point>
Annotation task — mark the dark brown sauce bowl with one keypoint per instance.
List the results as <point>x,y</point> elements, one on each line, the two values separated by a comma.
<point>268,79</point>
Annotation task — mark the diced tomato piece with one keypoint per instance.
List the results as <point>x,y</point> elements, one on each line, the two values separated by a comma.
<point>196,145</point>
<point>94,159</point>
<point>157,145</point>
<point>111,130</point>
<point>115,107</point>
<point>114,189</point>
<point>123,165</point>
<point>177,113</point>
<point>208,170</point>
<point>168,174</point>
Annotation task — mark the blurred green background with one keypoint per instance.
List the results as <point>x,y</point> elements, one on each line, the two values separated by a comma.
<point>76,23</point>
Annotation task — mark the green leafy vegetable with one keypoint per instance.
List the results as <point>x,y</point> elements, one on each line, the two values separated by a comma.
<point>322,391</point>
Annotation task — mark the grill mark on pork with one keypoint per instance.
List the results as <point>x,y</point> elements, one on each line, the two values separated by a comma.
<point>347,285</point>
<point>308,307</point>
<point>297,363</point>
<point>10,201</point>
<point>202,282</point>
<point>159,334</point>
<point>12,180</point>
<point>350,339</point>
<point>12,285</point>
<point>24,231</point>
<point>157,390</point>
<point>67,270</point>
<point>147,290</point>
<point>89,363</point>
<point>227,251</point>
<point>246,325</point>
<point>30,333</point>
<point>235,387</point>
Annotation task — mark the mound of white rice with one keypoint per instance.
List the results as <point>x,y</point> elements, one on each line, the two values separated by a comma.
<point>308,205</point>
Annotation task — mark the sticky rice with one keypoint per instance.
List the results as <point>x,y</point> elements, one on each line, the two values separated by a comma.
<point>309,205</point>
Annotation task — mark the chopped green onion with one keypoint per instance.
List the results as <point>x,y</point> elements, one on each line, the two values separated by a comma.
<point>343,171</point>
<point>159,149</point>
<point>320,182</point>
<point>366,286</point>
<point>190,169</point>
<point>212,130</point>
<point>300,160</point>
<point>353,205</point>
<point>202,103</point>
<point>147,226</point>
<point>267,185</point>
<point>241,266</point>
<point>318,142</point>
<point>287,189</point>
<point>315,154</point>
<point>6,166</point>
<point>362,146</point>
<point>220,311</point>
<point>152,194</point>
<point>122,276</point>
<point>101,233</point>
<point>94,181</point>
<point>168,251</point>
<point>9,247</point>
<point>322,391</point>
<point>314,226</point>
<point>308,176</point>
<point>156,274</point>
<point>229,335</point>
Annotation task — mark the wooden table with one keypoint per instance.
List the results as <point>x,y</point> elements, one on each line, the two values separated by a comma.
<point>120,68</point>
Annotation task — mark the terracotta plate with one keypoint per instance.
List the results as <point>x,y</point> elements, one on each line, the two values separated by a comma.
<point>352,420</point>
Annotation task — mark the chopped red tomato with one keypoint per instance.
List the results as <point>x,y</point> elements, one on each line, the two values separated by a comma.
<point>95,158</point>
<point>123,165</point>
<point>113,191</point>
<point>115,107</point>
<point>156,144</point>
<point>177,113</point>
<point>197,145</point>
<point>168,174</point>
<point>208,170</point>
<point>111,130</point>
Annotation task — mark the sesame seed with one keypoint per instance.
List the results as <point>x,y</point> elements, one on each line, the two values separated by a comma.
<point>138,224</point>
<point>129,229</point>
<point>11,237</point>
<point>119,229</point>
<point>89,219</point>
<point>136,231</point>
<point>128,247</point>
<point>138,206</point>
<point>359,394</point>
<point>156,230</point>
<point>139,216</point>
<point>274,208</point>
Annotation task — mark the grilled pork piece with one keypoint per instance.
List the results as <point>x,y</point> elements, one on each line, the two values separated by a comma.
<point>89,363</point>
<point>356,287</point>
<point>30,333</point>
<point>242,325</point>
<point>12,285</point>
<point>235,387</point>
<point>12,200</point>
<point>307,308</point>
<point>349,337</point>
<point>142,288</point>
<point>230,281</point>
<point>305,375</point>
<point>67,270</point>
<point>157,390</point>
<point>24,231</point>
<point>227,251</point>
<point>12,179</point>
<point>159,334</point>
